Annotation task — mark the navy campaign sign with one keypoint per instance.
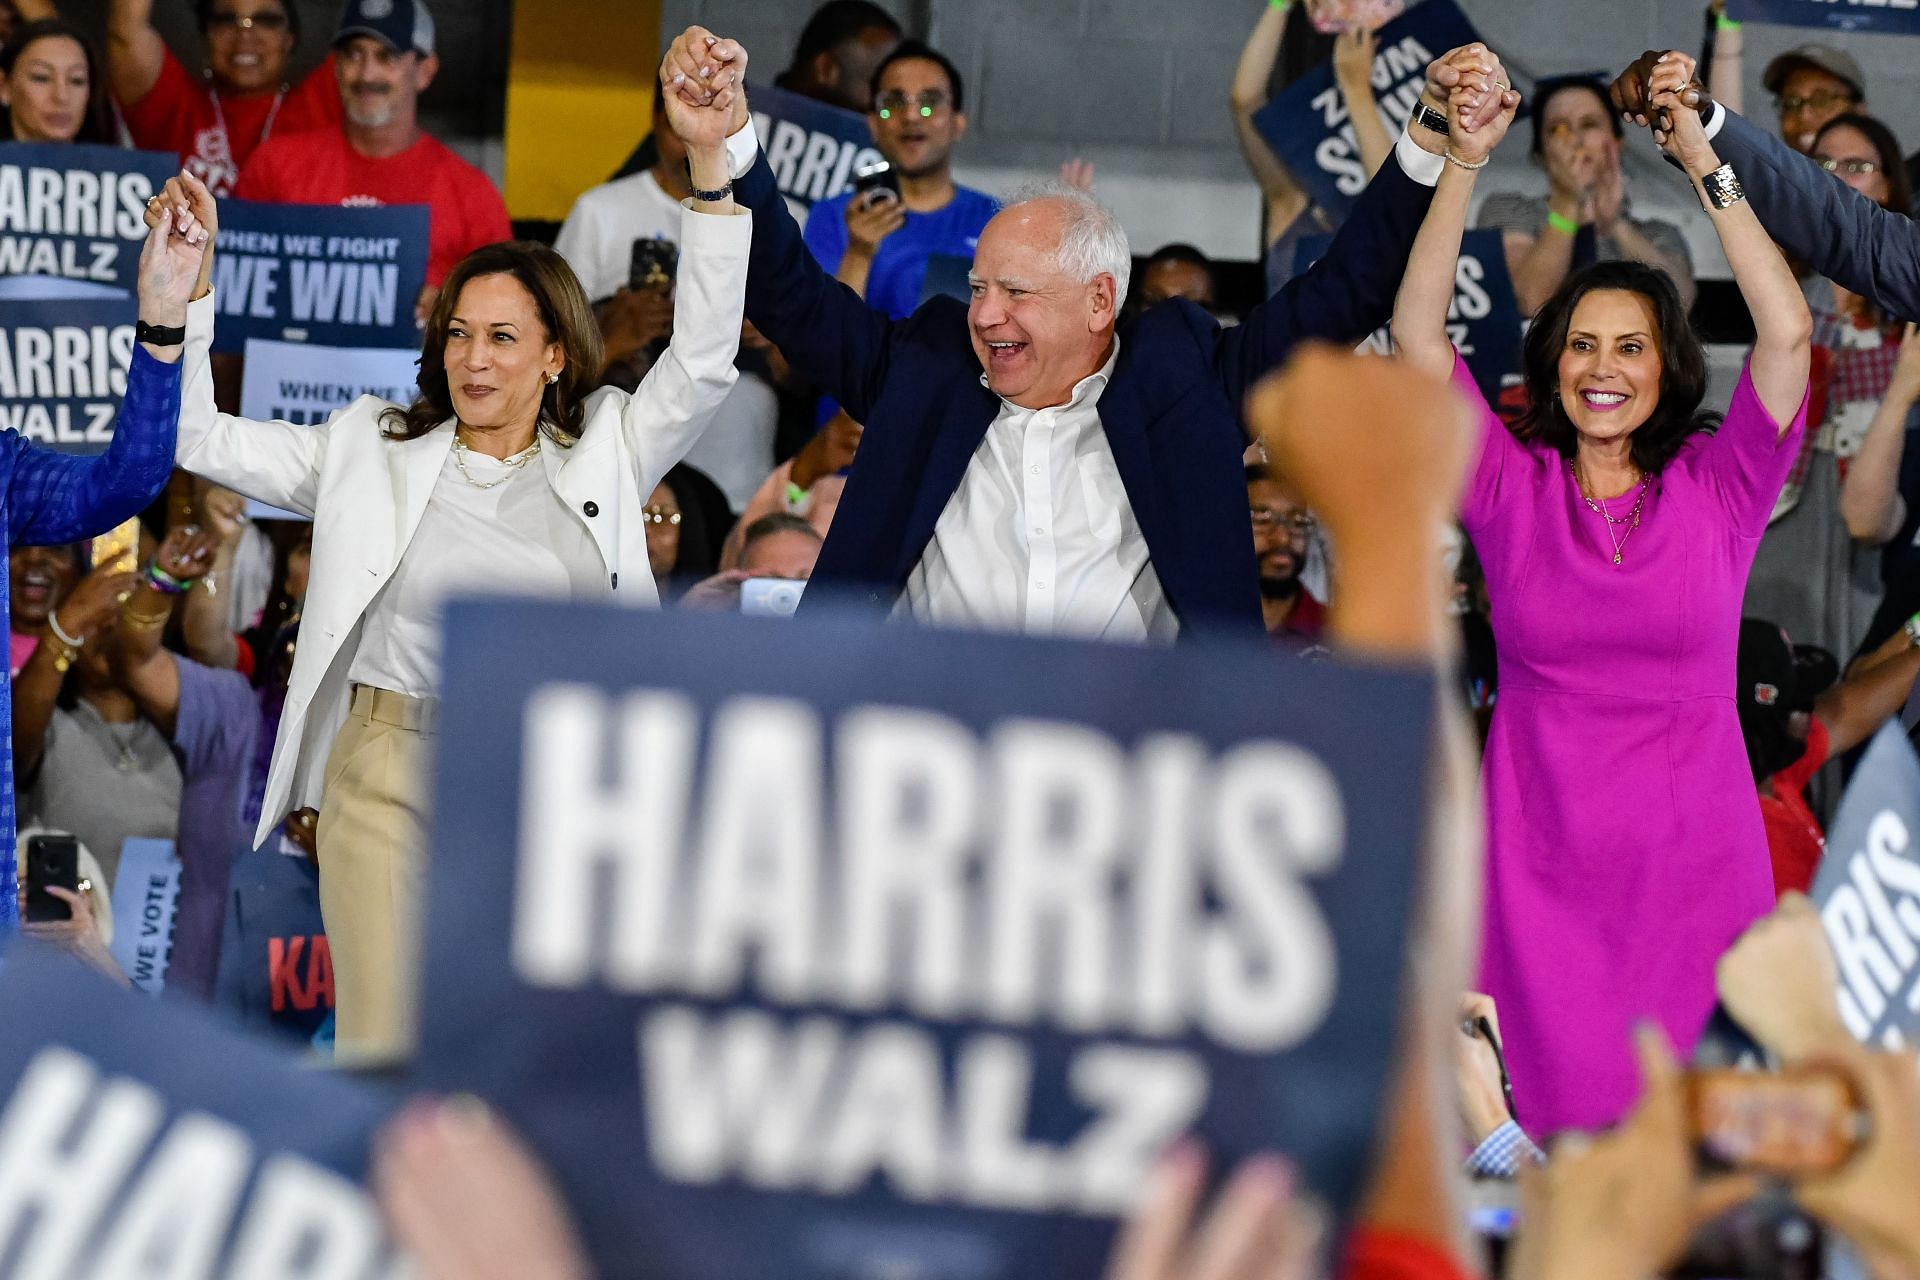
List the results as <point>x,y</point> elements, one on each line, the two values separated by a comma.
<point>814,148</point>
<point>1895,17</point>
<point>340,277</point>
<point>831,947</point>
<point>76,212</point>
<point>1308,126</point>
<point>1483,320</point>
<point>63,369</point>
<point>140,1138</point>
<point>1868,892</point>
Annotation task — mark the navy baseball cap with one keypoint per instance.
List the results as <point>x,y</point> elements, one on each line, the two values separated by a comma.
<point>404,26</point>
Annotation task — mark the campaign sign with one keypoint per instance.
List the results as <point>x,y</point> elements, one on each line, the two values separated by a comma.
<point>276,970</point>
<point>304,384</point>
<point>827,947</point>
<point>1308,126</point>
<point>814,148</point>
<point>141,1138</point>
<point>77,211</point>
<point>1483,320</point>
<point>318,273</point>
<point>1868,892</point>
<point>63,369</point>
<point>145,902</point>
<point>1894,17</point>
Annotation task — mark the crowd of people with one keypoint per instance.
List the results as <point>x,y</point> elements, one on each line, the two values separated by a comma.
<point>1668,615</point>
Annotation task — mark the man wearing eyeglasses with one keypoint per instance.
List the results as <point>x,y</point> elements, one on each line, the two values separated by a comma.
<point>880,241</point>
<point>214,124</point>
<point>1810,86</point>
<point>1282,536</point>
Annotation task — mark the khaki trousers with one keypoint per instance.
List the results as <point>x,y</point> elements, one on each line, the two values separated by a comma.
<point>371,842</point>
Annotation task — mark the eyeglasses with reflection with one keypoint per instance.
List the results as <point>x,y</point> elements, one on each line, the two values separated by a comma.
<point>893,103</point>
<point>1819,100</point>
<point>226,20</point>
<point>660,515</point>
<point>1851,168</point>
<point>1300,524</point>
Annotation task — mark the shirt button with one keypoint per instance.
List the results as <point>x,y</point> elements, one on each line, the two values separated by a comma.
<point>591,508</point>
<point>1039,586</point>
<point>1033,470</point>
<point>1038,532</point>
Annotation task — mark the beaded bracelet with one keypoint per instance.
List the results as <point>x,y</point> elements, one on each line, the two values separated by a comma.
<point>165,583</point>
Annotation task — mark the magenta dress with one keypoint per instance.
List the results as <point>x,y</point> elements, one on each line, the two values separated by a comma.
<point>1625,849</point>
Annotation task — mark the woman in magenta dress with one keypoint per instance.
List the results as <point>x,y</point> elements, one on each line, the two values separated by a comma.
<point>1625,849</point>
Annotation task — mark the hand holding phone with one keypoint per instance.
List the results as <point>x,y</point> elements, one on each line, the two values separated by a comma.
<point>53,861</point>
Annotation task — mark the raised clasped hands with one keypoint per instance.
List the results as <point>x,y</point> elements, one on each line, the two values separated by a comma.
<point>1471,138</point>
<point>1679,129</point>
<point>1633,92</point>
<point>705,81</point>
<point>1474,72</point>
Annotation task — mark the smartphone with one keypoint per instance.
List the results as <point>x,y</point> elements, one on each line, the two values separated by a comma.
<point>1792,1123</point>
<point>653,264</point>
<point>1767,1238</point>
<point>52,860</point>
<point>878,176</point>
<point>771,597</point>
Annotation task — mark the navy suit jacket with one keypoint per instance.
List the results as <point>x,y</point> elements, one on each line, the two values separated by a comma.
<point>1171,410</point>
<point>1822,221</point>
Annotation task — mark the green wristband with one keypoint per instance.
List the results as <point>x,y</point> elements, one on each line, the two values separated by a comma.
<point>1724,23</point>
<point>1562,223</point>
<point>1278,4</point>
<point>795,494</point>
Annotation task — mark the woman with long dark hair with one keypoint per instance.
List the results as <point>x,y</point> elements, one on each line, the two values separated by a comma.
<point>52,86</point>
<point>1616,525</point>
<point>509,474</point>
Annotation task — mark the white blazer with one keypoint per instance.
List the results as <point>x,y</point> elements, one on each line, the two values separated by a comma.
<point>366,493</point>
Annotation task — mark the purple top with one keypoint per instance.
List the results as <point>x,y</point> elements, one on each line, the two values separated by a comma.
<point>1625,850</point>
<point>214,735</point>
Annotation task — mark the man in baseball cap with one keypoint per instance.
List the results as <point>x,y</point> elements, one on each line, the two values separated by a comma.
<point>1810,86</point>
<point>404,26</point>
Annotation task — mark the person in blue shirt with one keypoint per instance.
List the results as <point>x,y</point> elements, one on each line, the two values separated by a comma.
<point>880,244</point>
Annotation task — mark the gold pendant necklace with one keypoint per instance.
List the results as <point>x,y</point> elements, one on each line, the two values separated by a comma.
<point>513,462</point>
<point>1629,522</point>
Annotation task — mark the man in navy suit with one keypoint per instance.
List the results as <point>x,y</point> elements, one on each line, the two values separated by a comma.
<point>1816,219</point>
<point>1029,463</point>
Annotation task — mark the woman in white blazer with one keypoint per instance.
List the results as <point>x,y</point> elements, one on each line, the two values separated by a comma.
<point>507,474</point>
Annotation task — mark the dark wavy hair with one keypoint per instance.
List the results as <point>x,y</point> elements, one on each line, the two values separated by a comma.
<point>97,124</point>
<point>1683,366</point>
<point>565,315</point>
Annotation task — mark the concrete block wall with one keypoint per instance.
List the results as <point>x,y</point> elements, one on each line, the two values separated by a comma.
<point>1139,87</point>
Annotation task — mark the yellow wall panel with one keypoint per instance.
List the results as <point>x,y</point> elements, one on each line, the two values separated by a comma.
<point>579,96</point>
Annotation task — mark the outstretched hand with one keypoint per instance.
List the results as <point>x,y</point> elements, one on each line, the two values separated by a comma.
<point>1475,143</point>
<point>1678,127</point>
<point>705,81</point>
<point>1632,93</point>
<point>170,266</point>
<point>1474,69</point>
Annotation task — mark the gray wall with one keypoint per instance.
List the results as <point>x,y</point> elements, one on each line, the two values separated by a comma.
<point>1140,87</point>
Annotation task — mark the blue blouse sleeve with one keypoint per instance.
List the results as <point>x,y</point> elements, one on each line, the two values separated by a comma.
<point>57,497</point>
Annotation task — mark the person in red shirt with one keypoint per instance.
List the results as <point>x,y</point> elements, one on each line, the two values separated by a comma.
<point>215,124</point>
<point>1795,718</point>
<point>383,56</point>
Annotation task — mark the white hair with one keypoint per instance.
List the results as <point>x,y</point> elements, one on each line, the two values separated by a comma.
<point>1092,243</point>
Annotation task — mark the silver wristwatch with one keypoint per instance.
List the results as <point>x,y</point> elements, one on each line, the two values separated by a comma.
<point>1722,187</point>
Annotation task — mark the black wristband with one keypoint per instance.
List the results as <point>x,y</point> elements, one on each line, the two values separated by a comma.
<point>1427,118</point>
<point>713,197</point>
<point>160,335</point>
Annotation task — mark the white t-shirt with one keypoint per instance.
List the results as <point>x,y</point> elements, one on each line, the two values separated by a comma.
<point>597,237</point>
<point>516,538</point>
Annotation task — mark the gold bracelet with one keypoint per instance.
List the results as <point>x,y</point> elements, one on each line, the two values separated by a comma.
<point>134,618</point>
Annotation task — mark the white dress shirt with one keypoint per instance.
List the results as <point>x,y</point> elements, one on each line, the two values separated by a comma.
<point>1039,535</point>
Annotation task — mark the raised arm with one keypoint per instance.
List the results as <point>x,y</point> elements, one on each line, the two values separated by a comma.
<point>57,497</point>
<point>1832,228</point>
<point>1353,53</point>
<point>1419,323</point>
<point>1870,499</point>
<point>80,618</point>
<point>135,51</point>
<point>277,463</point>
<point>1728,65</point>
<point>1854,709</point>
<point>146,670</point>
<point>1283,197</point>
<point>1783,327</point>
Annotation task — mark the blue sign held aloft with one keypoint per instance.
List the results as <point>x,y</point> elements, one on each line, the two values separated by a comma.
<point>338,277</point>
<point>813,947</point>
<point>63,369</point>
<point>1308,125</point>
<point>76,212</point>
<point>1888,17</point>
<point>1868,892</point>
<point>813,148</point>
<point>133,1130</point>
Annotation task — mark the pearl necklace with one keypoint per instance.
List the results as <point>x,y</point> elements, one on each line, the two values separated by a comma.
<point>513,462</point>
<point>1629,521</point>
